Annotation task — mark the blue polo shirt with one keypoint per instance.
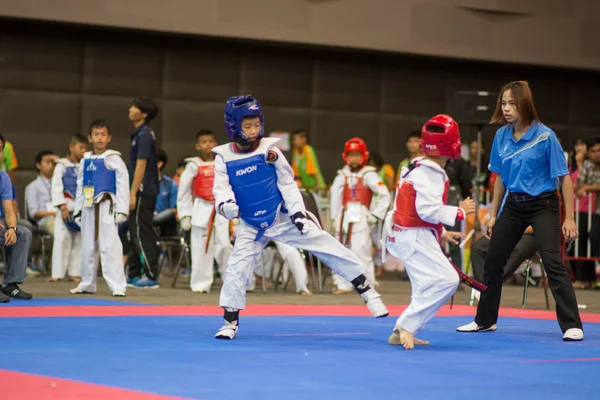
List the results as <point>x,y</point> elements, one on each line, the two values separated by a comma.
<point>7,190</point>
<point>143,146</point>
<point>530,165</point>
<point>167,198</point>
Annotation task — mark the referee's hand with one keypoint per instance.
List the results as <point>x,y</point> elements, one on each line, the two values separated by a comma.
<point>489,227</point>
<point>569,230</point>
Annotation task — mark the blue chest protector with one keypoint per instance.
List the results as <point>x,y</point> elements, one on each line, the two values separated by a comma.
<point>70,181</point>
<point>97,175</point>
<point>254,183</point>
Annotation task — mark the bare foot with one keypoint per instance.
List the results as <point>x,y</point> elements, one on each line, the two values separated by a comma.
<point>200,291</point>
<point>379,272</point>
<point>407,339</point>
<point>341,291</point>
<point>306,293</point>
<point>75,279</point>
<point>54,280</point>
<point>419,342</point>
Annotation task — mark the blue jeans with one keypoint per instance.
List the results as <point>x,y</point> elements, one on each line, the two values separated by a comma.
<point>15,256</point>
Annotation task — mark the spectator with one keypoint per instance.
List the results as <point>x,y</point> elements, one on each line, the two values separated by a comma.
<point>305,163</point>
<point>38,194</point>
<point>413,146</point>
<point>385,171</point>
<point>588,181</point>
<point>16,241</point>
<point>143,179</point>
<point>8,162</point>
<point>165,217</point>
<point>180,168</point>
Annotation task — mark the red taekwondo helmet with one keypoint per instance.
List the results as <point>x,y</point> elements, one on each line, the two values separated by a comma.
<point>356,145</point>
<point>440,137</point>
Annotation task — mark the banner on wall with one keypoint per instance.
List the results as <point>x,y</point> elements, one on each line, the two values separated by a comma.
<point>284,140</point>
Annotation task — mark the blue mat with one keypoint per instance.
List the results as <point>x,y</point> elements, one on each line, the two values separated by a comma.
<point>67,301</point>
<point>305,358</point>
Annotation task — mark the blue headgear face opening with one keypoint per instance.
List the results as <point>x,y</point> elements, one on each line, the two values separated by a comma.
<point>236,109</point>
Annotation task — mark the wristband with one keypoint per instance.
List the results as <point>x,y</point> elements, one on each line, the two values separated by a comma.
<point>460,215</point>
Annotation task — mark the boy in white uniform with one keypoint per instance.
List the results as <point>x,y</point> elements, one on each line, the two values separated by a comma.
<point>210,237</point>
<point>359,199</point>
<point>254,182</point>
<point>414,229</point>
<point>102,203</point>
<point>66,250</point>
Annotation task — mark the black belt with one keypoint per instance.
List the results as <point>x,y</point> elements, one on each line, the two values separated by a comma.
<point>523,197</point>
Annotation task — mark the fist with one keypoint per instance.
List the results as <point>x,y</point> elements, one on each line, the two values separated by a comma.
<point>120,218</point>
<point>468,205</point>
<point>371,219</point>
<point>186,223</point>
<point>230,210</point>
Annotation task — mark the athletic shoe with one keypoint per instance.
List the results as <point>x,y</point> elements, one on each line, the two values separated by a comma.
<point>13,290</point>
<point>145,283</point>
<point>473,327</point>
<point>573,335</point>
<point>133,280</point>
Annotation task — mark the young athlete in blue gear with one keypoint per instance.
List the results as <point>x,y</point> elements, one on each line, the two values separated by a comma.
<point>254,182</point>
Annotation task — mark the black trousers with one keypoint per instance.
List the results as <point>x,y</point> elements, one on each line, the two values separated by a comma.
<point>143,255</point>
<point>543,215</point>
<point>524,250</point>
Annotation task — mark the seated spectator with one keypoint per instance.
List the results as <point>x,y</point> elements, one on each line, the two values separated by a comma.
<point>180,168</point>
<point>165,213</point>
<point>16,241</point>
<point>38,194</point>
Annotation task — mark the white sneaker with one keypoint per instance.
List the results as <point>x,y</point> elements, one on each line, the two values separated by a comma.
<point>573,335</point>
<point>374,303</point>
<point>118,293</point>
<point>473,327</point>
<point>227,331</point>
<point>31,273</point>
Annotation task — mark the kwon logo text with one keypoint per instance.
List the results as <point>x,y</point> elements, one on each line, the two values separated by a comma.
<point>246,170</point>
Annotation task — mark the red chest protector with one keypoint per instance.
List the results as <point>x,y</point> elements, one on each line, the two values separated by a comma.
<point>405,210</point>
<point>359,193</point>
<point>204,182</point>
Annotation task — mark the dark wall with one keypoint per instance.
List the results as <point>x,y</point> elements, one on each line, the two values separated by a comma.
<point>55,79</point>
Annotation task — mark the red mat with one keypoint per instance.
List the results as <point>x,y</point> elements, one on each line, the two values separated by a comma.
<point>20,386</point>
<point>258,310</point>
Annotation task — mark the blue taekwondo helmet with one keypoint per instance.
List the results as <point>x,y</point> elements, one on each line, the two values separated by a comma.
<point>236,109</point>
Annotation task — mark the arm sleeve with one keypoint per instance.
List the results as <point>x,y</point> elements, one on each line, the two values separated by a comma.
<point>116,163</point>
<point>429,186</point>
<point>287,184</point>
<point>173,195</point>
<point>222,189</point>
<point>58,190</point>
<point>6,189</point>
<point>495,163</point>
<point>31,199</point>
<point>336,191</point>
<point>79,193</point>
<point>381,199</point>
<point>185,201</point>
<point>556,157</point>
<point>144,143</point>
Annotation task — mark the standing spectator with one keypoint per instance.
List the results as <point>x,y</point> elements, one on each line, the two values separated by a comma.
<point>16,241</point>
<point>305,163</point>
<point>588,181</point>
<point>8,162</point>
<point>413,146</point>
<point>143,179</point>
<point>38,194</point>
<point>180,168</point>
<point>384,170</point>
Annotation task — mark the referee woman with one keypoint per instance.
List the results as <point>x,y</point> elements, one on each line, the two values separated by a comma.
<point>528,157</point>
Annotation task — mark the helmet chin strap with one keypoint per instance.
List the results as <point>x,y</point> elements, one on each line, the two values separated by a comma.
<point>247,144</point>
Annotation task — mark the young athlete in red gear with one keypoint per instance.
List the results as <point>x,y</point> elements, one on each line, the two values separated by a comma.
<point>414,229</point>
<point>358,200</point>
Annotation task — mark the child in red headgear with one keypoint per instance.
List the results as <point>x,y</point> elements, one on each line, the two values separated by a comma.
<point>358,200</point>
<point>414,229</point>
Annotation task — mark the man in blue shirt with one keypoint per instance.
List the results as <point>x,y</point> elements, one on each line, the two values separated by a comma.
<point>143,176</point>
<point>166,202</point>
<point>16,241</point>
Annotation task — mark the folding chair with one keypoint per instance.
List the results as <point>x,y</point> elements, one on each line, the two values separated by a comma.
<point>184,258</point>
<point>528,277</point>
<point>311,205</point>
